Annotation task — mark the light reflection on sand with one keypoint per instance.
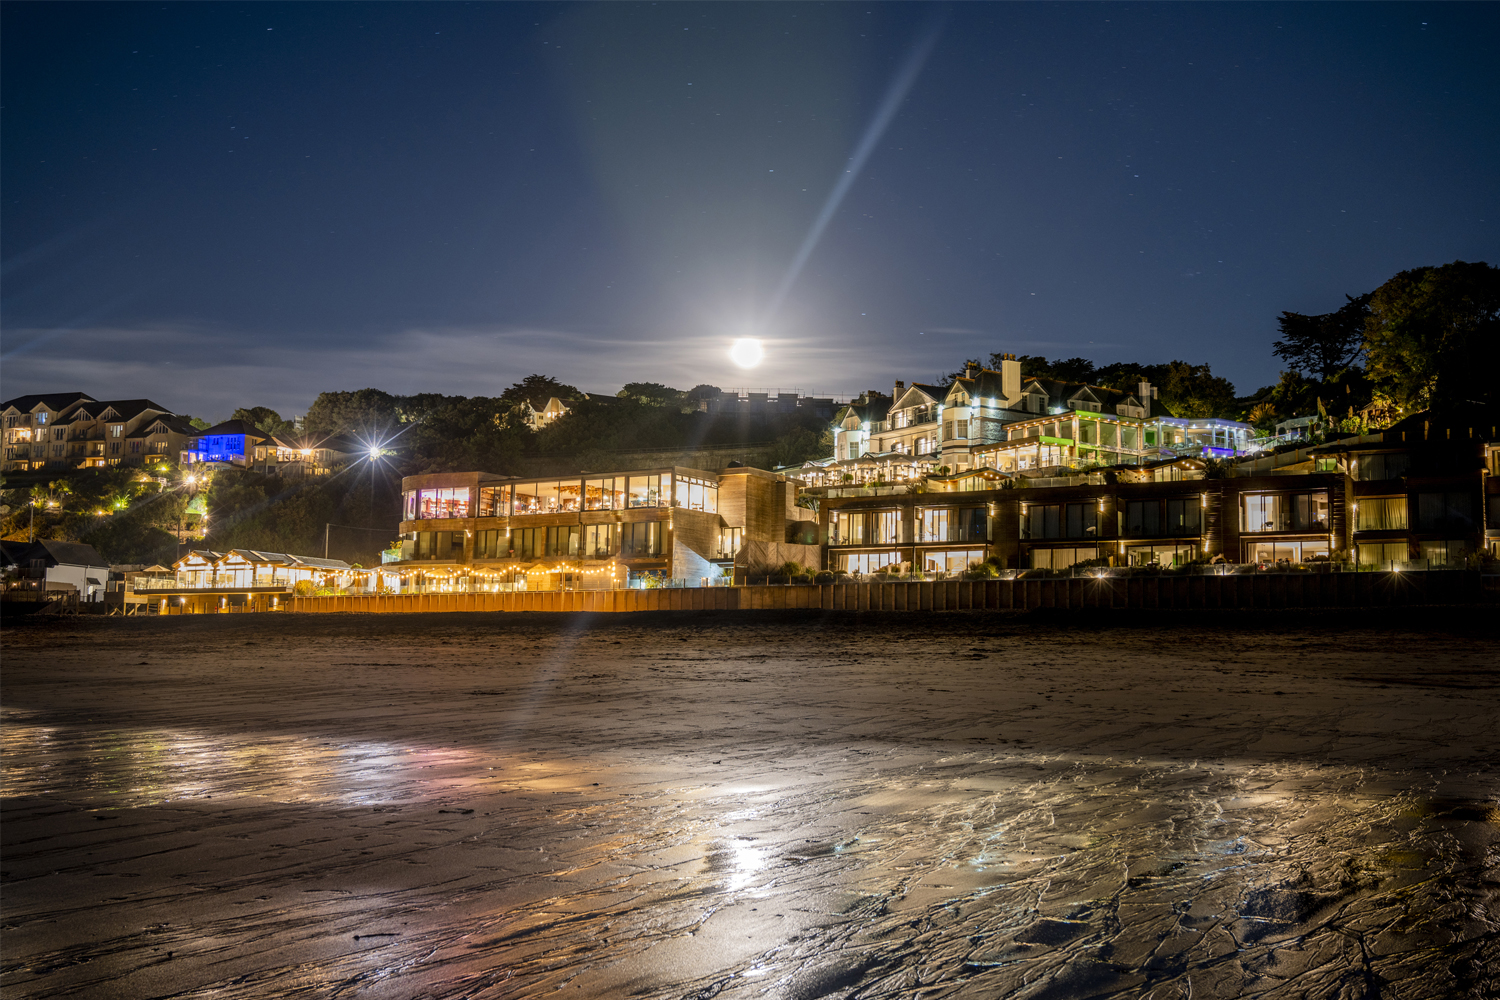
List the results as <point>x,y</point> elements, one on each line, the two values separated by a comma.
<point>126,768</point>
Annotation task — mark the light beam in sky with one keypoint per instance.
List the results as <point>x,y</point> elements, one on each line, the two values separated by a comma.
<point>884,113</point>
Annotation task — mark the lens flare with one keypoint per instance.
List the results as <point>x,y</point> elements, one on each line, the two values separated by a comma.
<point>746,352</point>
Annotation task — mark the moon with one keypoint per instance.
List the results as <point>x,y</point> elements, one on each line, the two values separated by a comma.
<point>746,352</point>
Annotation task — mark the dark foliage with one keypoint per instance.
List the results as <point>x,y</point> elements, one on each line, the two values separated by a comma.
<point>1322,347</point>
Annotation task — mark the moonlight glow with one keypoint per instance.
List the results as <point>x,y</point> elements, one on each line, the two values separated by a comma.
<point>746,352</point>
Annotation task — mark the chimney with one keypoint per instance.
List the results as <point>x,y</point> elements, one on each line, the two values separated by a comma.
<point>900,388</point>
<point>971,371</point>
<point>1010,379</point>
<point>1145,394</point>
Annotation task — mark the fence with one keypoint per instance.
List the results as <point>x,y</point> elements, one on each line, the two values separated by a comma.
<point>1280,590</point>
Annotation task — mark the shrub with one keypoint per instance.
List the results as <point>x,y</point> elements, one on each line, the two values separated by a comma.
<point>304,588</point>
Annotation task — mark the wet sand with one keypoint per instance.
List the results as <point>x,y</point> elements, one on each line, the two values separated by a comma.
<point>753,804</point>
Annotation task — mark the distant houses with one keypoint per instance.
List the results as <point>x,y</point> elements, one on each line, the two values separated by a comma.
<point>73,430</point>
<point>240,444</point>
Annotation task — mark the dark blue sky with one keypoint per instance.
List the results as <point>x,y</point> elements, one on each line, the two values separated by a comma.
<point>219,205</point>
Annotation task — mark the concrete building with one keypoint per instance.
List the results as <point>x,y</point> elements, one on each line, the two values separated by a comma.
<point>673,526</point>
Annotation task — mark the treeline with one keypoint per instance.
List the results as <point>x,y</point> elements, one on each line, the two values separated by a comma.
<point>430,432</point>
<point>1427,338</point>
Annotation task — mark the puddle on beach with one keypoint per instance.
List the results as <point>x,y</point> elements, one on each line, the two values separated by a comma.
<point>804,872</point>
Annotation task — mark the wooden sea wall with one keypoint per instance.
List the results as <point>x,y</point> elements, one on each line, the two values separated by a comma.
<point>1320,590</point>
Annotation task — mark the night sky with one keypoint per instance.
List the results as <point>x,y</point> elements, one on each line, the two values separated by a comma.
<point>221,205</point>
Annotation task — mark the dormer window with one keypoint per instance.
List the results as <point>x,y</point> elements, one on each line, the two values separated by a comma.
<point>41,419</point>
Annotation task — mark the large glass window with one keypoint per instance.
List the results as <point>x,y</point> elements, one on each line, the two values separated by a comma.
<point>1153,518</point>
<point>1442,512</point>
<point>1382,553</point>
<point>442,503</point>
<point>1062,558</point>
<point>598,541</point>
<point>606,493</point>
<point>1071,520</point>
<point>445,545</point>
<point>491,544</point>
<point>696,494</point>
<point>951,561</point>
<point>494,501</point>
<point>887,527</point>
<point>642,538</point>
<point>1381,514</point>
<point>1284,512</point>
<point>646,491</point>
<point>1272,553</point>
<point>849,529</point>
<point>1453,552</point>
<point>528,543</point>
<point>564,540</point>
<point>867,562</point>
<point>1380,466</point>
<point>932,525</point>
<point>1161,554</point>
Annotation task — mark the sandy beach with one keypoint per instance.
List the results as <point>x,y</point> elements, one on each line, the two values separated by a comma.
<point>754,804</point>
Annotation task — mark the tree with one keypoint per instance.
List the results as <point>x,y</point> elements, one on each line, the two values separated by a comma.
<point>1433,335</point>
<point>949,378</point>
<point>265,418</point>
<point>1195,391</point>
<point>1323,346</point>
<point>198,423</point>
<point>650,393</point>
<point>1032,365</point>
<point>537,389</point>
<point>364,411</point>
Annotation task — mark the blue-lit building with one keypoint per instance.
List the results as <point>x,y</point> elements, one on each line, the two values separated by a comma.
<point>230,443</point>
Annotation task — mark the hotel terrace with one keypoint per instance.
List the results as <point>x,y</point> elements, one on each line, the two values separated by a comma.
<point>655,527</point>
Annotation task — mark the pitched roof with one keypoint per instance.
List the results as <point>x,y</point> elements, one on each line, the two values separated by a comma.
<point>52,400</point>
<point>54,553</point>
<point>234,427</point>
<point>328,442</point>
<point>128,408</point>
<point>173,423</point>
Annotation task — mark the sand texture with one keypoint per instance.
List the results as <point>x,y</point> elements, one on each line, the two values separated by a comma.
<point>789,805</point>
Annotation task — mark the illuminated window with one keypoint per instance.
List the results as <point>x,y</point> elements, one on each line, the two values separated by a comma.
<point>1381,514</point>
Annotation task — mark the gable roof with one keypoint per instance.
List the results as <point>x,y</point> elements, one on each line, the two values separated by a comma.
<point>234,427</point>
<point>870,407</point>
<point>330,442</point>
<point>128,409</point>
<point>172,423</point>
<point>53,553</point>
<point>986,384</point>
<point>54,401</point>
<point>934,393</point>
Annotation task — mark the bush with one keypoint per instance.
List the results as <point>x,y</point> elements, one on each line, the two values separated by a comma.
<point>825,577</point>
<point>304,588</point>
